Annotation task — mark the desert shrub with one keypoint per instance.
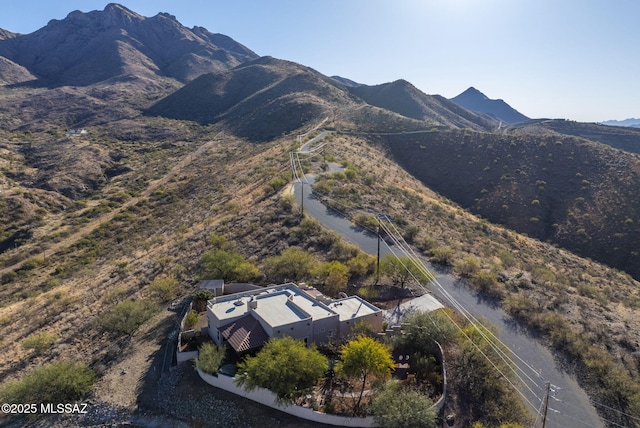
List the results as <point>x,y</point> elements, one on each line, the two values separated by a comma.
<point>351,173</point>
<point>293,264</point>
<point>307,227</point>
<point>226,265</point>
<point>126,317</point>
<point>491,399</point>
<point>508,260</point>
<point>40,342</point>
<point>422,329</point>
<point>411,232</point>
<point>361,265</point>
<point>115,294</point>
<point>164,288</point>
<point>210,357</point>
<point>367,221</point>
<point>8,277</point>
<point>402,270</point>
<point>334,276</point>
<point>442,255</point>
<point>484,280</point>
<point>398,407</point>
<point>466,267</point>
<point>32,263</point>
<point>191,319</point>
<point>342,251</point>
<point>275,184</point>
<point>53,383</point>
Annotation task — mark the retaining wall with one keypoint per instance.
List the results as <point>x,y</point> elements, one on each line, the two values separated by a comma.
<point>268,398</point>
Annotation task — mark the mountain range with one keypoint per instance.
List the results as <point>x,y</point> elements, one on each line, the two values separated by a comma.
<point>116,43</point>
<point>627,122</point>
<point>106,67</point>
<point>130,145</point>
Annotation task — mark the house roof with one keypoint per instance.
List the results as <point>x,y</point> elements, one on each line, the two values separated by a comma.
<point>244,334</point>
<point>353,307</point>
<point>277,309</point>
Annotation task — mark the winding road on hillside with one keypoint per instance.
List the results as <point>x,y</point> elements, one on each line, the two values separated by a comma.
<point>569,406</point>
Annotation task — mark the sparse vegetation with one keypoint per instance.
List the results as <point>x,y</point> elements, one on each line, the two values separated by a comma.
<point>164,288</point>
<point>191,319</point>
<point>40,342</point>
<point>62,382</point>
<point>126,317</point>
<point>91,223</point>
<point>210,357</point>
<point>399,407</point>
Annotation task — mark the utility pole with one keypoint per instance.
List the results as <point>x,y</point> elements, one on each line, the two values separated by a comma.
<point>378,257</point>
<point>302,197</point>
<point>546,405</point>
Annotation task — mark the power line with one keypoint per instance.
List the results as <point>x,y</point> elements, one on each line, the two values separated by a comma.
<point>486,334</point>
<point>474,321</point>
<point>481,330</point>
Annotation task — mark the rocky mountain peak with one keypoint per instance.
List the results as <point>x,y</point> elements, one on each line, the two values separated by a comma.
<point>90,47</point>
<point>474,100</point>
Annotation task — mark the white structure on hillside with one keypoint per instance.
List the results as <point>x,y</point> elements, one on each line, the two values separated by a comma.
<point>247,320</point>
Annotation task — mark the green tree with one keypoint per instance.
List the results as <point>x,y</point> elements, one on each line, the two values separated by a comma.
<point>361,265</point>
<point>210,357</point>
<point>226,265</point>
<point>363,357</point>
<point>421,329</point>
<point>402,269</point>
<point>293,264</point>
<point>334,276</point>
<point>61,382</point>
<point>125,317</point>
<point>285,366</point>
<point>398,407</point>
<point>200,298</point>
<point>489,396</point>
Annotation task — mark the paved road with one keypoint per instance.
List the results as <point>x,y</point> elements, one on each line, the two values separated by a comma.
<point>575,410</point>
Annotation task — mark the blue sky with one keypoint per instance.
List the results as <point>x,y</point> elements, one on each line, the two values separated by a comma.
<point>574,59</point>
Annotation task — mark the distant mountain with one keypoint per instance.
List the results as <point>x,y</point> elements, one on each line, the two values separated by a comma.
<point>403,98</point>
<point>621,137</point>
<point>474,100</point>
<point>264,98</point>
<point>627,122</point>
<point>259,100</point>
<point>86,48</point>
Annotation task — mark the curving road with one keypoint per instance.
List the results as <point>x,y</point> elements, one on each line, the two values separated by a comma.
<point>569,405</point>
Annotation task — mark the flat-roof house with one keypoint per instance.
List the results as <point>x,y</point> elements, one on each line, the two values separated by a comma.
<point>248,319</point>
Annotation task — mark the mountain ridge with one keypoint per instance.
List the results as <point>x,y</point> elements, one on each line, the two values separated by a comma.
<point>474,100</point>
<point>158,190</point>
<point>86,48</point>
<point>632,122</point>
